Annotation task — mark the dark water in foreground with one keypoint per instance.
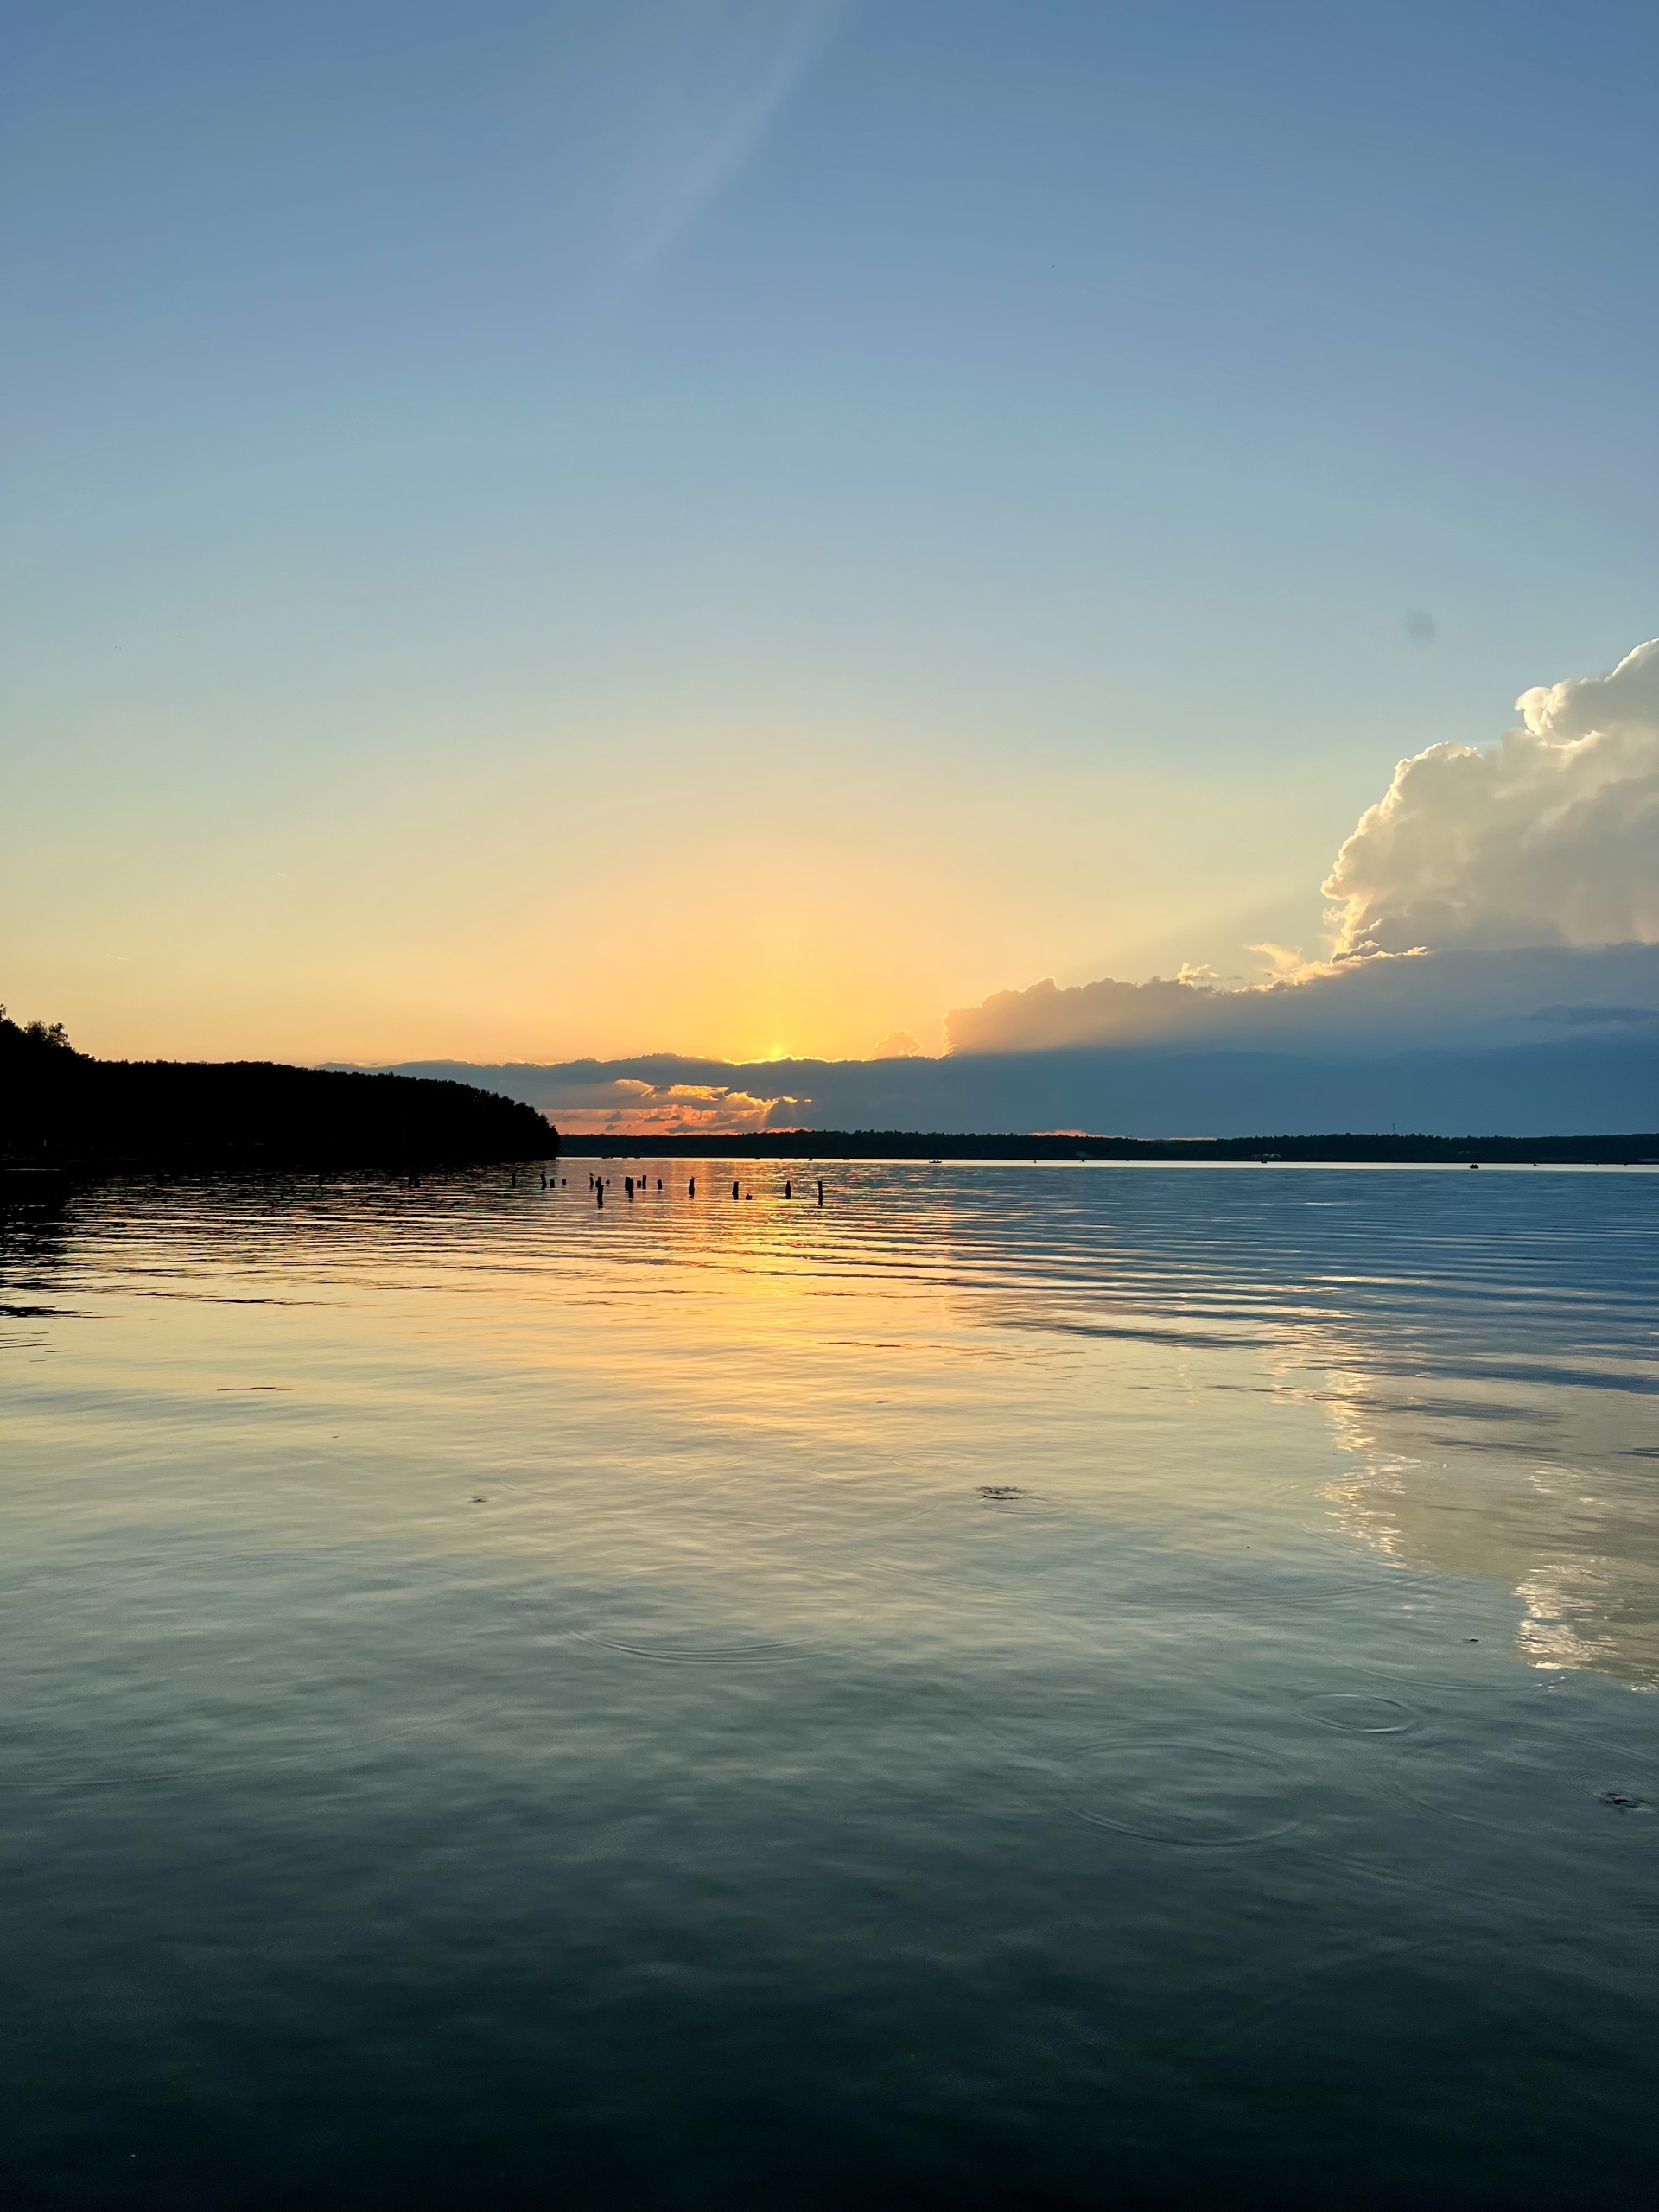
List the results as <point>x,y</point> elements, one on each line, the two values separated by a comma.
<point>1027,1686</point>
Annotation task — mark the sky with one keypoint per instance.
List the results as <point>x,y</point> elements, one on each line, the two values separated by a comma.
<point>738,528</point>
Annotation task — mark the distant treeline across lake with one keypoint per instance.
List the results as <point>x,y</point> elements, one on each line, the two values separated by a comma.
<point>911,1144</point>
<point>60,1108</point>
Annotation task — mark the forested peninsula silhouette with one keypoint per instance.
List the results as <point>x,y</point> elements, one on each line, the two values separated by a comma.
<point>62,1108</point>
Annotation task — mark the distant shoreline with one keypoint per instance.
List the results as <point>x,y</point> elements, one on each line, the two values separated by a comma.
<point>1624,1150</point>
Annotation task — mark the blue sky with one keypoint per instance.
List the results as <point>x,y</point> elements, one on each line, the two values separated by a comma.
<point>730,528</point>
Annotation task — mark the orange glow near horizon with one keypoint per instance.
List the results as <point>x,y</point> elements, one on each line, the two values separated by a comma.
<point>441,920</point>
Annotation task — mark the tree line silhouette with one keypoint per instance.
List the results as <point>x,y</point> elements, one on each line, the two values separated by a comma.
<point>59,1107</point>
<point>1357,1147</point>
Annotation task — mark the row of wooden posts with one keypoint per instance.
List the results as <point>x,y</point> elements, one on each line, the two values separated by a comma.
<point>630,1185</point>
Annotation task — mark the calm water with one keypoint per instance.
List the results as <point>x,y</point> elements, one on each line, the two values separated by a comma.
<point>1026,1687</point>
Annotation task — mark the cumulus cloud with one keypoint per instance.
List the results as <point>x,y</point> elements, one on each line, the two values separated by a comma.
<point>1507,896</point>
<point>588,1098</point>
<point>1550,836</point>
<point>665,1109</point>
<point>1494,968</point>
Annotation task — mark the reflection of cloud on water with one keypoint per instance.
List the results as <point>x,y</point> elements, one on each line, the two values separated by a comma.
<point>1560,1509</point>
<point>1482,1348</point>
<point>1547,1635</point>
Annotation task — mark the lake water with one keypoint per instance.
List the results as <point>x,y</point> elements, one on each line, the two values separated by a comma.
<point>1024,1687</point>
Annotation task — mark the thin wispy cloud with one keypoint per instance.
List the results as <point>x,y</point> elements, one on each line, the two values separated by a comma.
<point>723,74</point>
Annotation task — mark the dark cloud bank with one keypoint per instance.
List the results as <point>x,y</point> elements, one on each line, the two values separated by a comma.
<point>1493,969</point>
<point>1564,1089</point>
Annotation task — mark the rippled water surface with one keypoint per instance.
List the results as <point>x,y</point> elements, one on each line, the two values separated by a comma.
<point>1102,1685</point>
